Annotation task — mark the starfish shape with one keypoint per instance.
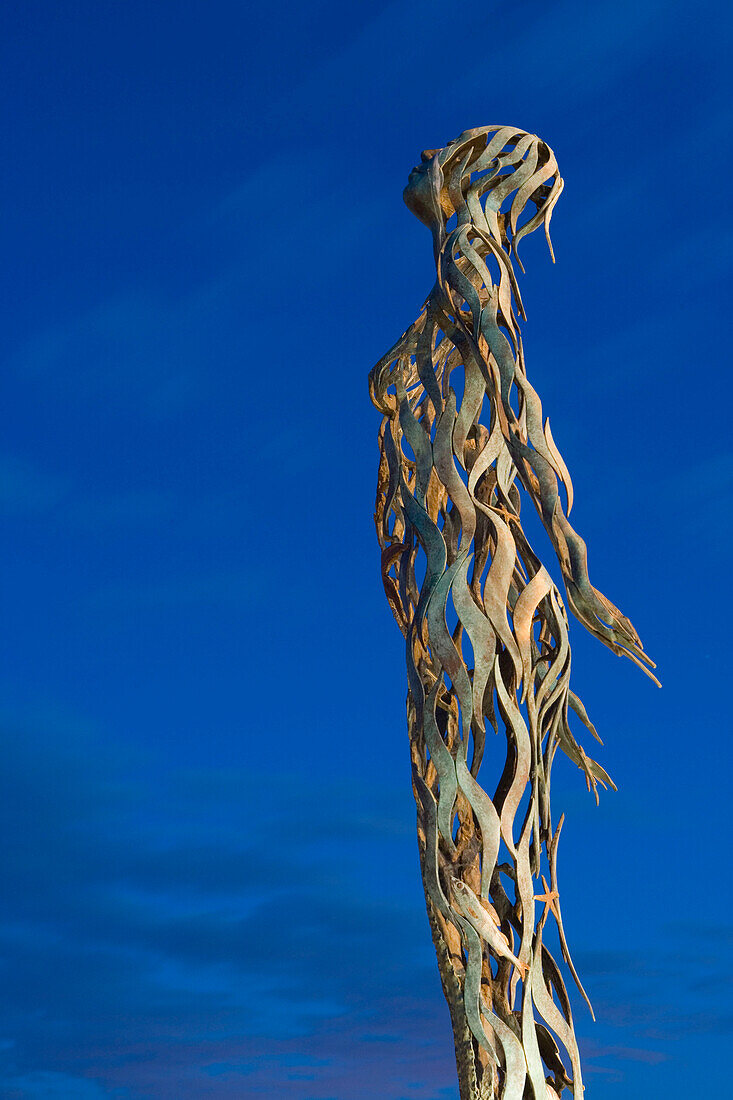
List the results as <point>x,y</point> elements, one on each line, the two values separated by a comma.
<point>550,898</point>
<point>510,517</point>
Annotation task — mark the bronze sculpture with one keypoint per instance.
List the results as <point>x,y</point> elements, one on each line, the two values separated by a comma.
<point>485,626</point>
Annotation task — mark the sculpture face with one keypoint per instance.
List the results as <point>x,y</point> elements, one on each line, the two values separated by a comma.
<point>418,192</point>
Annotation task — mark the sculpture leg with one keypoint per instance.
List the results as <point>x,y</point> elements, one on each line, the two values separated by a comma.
<point>476,1081</point>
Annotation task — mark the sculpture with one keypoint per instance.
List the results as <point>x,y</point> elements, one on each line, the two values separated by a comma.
<point>486,628</point>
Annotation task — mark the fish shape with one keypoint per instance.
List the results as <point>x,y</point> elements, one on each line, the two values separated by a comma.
<point>481,914</point>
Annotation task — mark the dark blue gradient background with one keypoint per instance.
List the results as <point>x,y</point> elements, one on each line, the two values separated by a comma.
<point>210,886</point>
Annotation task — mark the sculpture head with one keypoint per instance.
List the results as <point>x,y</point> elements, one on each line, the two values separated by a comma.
<point>474,176</point>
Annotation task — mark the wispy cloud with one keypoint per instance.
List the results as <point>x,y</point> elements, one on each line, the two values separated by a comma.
<point>57,1086</point>
<point>202,938</point>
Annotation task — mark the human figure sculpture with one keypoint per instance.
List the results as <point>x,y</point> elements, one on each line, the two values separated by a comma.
<point>462,440</point>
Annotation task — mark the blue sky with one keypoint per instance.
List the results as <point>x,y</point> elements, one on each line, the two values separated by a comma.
<point>211,886</point>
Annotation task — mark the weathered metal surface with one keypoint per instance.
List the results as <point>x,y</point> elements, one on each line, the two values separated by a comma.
<point>462,440</point>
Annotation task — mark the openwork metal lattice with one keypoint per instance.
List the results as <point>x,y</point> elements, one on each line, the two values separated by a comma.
<point>486,628</point>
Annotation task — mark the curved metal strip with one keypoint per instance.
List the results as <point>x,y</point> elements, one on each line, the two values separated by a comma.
<point>431,878</point>
<point>524,609</point>
<point>487,817</point>
<point>555,1019</point>
<point>444,766</point>
<point>517,730</point>
<point>445,466</point>
<point>514,1061</point>
<point>529,1042</point>
<point>442,645</point>
<point>481,636</point>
